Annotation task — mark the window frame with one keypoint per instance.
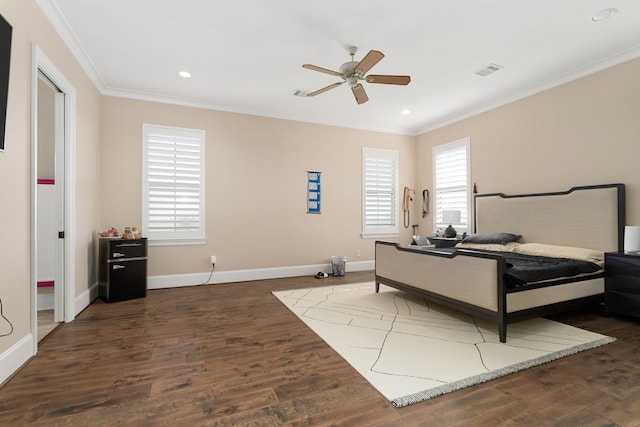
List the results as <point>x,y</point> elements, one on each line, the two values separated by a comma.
<point>466,217</point>
<point>389,230</point>
<point>157,238</point>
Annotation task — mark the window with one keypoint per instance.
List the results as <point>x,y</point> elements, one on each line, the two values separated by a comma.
<point>380,193</point>
<point>451,178</point>
<point>173,185</point>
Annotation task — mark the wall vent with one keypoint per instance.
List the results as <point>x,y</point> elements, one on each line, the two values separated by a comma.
<point>300,92</point>
<point>489,69</point>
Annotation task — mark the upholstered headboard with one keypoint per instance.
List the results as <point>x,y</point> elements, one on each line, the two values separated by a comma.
<point>587,217</point>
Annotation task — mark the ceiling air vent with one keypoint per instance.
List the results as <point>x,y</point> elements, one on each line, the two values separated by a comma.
<point>300,92</point>
<point>491,68</point>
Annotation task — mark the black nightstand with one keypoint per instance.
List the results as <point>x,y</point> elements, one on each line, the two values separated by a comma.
<point>622,283</point>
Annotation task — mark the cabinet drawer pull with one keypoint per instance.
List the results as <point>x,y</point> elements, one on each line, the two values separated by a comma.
<point>118,255</point>
<point>118,267</point>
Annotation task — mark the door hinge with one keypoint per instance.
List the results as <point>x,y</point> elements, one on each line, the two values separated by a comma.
<point>60,234</point>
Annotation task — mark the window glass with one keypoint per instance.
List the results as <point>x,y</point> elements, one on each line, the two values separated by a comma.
<point>173,185</point>
<point>451,177</point>
<point>380,193</point>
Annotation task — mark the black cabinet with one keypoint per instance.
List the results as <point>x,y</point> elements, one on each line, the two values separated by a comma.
<point>622,283</point>
<point>122,269</point>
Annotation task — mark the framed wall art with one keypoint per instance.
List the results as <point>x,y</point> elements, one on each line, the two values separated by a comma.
<point>313,192</point>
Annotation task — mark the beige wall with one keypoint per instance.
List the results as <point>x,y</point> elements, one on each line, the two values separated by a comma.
<point>15,187</point>
<point>583,132</point>
<point>255,186</point>
<point>31,27</point>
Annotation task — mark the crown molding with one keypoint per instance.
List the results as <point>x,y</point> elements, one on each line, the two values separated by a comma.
<point>60,24</point>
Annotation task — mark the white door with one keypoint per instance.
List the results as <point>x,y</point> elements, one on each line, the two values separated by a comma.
<point>58,290</point>
<point>49,153</point>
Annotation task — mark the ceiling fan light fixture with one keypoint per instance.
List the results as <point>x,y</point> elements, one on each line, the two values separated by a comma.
<point>352,81</point>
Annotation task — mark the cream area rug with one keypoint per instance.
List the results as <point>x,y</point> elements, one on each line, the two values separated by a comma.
<point>411,350</point>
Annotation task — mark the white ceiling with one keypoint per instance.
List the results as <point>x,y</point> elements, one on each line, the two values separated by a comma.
<point>246,55</point>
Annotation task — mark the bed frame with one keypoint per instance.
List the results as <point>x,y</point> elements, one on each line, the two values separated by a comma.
<point>472,282</point>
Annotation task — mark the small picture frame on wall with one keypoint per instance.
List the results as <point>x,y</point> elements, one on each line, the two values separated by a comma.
<point>313,192</point>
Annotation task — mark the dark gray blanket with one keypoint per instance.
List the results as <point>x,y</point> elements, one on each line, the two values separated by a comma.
<point>525,269</point>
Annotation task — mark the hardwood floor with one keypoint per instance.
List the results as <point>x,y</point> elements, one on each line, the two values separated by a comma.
<point>233,355</point>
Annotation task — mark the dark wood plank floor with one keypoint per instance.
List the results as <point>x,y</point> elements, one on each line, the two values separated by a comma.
<point>233,355</point>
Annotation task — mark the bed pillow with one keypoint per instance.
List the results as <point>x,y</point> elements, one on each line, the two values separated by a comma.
<point>555,251</point>
<point>500,238</point>
<point>507,247</point>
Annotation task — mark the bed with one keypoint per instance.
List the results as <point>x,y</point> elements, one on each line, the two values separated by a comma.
<point>588,219</point>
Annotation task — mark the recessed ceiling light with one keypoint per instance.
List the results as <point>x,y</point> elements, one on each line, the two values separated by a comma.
<point>603,15</point>
<point>405,112</point>
<point>185,74</point>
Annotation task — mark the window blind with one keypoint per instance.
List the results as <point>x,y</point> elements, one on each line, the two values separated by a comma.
<point>451,182</point>
<point>380,183</point>
<point>174,183</point>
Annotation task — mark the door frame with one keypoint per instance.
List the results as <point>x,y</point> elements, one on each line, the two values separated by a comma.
<point>41,63</point>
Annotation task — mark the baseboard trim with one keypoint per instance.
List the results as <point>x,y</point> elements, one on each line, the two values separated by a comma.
<point>85,298</point>
<point>195,279</point>
<point>15,357</point>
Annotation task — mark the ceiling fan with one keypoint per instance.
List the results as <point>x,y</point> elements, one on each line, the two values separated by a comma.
<point>353,71</point>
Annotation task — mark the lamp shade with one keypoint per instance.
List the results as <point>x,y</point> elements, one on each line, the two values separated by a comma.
<point>451,216</point>
<point>632,238</point>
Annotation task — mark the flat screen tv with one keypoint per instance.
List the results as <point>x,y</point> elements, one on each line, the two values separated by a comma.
<point>5,58</point>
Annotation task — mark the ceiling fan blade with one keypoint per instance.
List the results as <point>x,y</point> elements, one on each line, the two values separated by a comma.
<point>388,80</point>
<point>369,60</point>
<point>322,70</point>
<point>324,89</point>
<point>359,93</point>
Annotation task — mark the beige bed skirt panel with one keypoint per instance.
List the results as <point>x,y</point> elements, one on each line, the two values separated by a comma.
<point>464,278</point>
<point>532,298</point>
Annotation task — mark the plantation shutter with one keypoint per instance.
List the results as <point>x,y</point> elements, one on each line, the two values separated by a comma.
<point>380,182</point>
<point>451,183</point>
<point>173,184</point>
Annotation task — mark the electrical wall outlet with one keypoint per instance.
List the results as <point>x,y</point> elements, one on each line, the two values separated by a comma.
<point>213,259</point>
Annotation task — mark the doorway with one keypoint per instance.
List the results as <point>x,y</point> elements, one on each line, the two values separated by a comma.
<point>49,205</point>
<point>53,197</point>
